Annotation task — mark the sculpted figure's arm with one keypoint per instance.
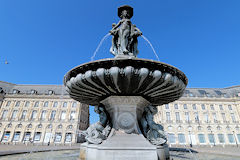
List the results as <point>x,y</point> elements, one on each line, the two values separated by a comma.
<point>115,27</point>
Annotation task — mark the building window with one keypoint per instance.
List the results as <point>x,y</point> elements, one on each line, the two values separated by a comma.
<point>231,138</point>
<point>8,103</point>
<point>53,113</point>
<point>36,104</point>
<point>233,117</point>
<point>0,124</point>
<point>176,106</point>
<point>19,126</point>
<point>6,136</point>
<point>45,104</point>
<point>212,107</point>
<point>187,116</point>
<point>168,116</point>
<point>181,138</point>
<point>219,128</point>
<point>34,115</point>
<point>74,104</point>
<point>220,107</point>
<point>199,128</point>
<point>72,115</point>
<point>177,116</point>
<point>203,107</point>
<point>39,126</point>
<point>14,114</point>
<point>50,92</point>
<point>228,128</point>
<point>196,116</point>
<point>55,104</point>
<point>185,106</point>
<point>63,115</point>
<point>206,117</point>
<point>17,104</point>
<point>201,138</point>
<point>214,117</point>
<point>29,126</point>
<point>59,126</point>
<point>194,106</point>
<point>27,104</point>
<point>24,113</point>
<point>209,128</point>
<point>221,138</point>
<point>211,138</point>
<point>171,138</point>
<point>16,136</point>
<point>4,114</point>
<point>229,107</point>
<point>166,106</point>
<point>223,117</point>
<point>49,126</point>
<point>43,115</point>
<point>27,136</point>
<point>64,104</point>
<point>68,137</point>
<point>58,137</point>
<point>37,136</point>
<point>9,125</point>
<point>70,127</point>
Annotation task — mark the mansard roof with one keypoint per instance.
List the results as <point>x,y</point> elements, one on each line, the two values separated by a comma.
<point>9,88</point>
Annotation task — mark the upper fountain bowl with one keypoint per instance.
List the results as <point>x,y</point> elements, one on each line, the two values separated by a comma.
<point>157,82</point>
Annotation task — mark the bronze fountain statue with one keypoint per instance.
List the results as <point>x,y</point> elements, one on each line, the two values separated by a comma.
<point>125,91</point>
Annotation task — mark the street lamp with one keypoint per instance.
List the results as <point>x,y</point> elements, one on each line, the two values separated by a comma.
<point>213,138</point>
<point>235,138</point>
<point>190,138</point>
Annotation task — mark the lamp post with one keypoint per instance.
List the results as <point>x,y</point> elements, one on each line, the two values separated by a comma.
<point>235,138</point>
<point>213,138</point>
<point>190,138</point>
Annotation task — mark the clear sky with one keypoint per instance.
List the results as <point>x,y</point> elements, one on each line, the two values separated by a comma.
<point>43,39</point>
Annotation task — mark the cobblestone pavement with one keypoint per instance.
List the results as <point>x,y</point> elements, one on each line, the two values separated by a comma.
<point>72,153</point>
<point>17,149</point>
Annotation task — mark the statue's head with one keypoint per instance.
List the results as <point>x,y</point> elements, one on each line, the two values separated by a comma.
<point>125,11</point>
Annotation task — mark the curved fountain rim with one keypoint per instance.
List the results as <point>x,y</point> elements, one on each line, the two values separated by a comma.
<point>67,75</point>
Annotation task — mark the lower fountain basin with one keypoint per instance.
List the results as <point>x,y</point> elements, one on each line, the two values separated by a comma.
<point>157,82</point>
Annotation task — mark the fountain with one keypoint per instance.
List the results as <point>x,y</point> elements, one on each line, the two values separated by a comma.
<point>125,91</point>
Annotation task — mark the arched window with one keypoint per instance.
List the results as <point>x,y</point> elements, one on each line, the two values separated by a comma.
<point>70,127</point>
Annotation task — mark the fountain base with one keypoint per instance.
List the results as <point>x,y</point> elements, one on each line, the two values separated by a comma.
<point>126,141</point>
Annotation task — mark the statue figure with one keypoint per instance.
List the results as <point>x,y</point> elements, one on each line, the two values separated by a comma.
<point>99,131</point>
<point>152,131</point>
<point>125,34</point>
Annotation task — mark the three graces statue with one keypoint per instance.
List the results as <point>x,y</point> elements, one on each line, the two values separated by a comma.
<point>125,34</point>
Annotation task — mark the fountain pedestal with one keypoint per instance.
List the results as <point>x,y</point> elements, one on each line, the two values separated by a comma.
<point>126,141</point>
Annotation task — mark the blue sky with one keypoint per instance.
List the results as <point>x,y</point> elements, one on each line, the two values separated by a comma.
<point>43,39</point>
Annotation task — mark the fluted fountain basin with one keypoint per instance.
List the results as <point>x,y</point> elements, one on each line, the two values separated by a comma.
<point>157,82</point>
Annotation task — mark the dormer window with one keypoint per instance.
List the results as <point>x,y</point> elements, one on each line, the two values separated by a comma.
<point>50,92</point>
<point>33,91</point>
<point>15,91</point>
<point>1,90</point>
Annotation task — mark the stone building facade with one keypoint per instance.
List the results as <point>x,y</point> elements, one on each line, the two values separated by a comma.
<point>43,114</point>
<point>203,116</point>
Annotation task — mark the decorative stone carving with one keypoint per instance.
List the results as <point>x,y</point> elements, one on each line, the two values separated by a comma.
<point>152,131</point>
<point>99,131</point>
<point>157,82</point>
<point>125,34</point>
